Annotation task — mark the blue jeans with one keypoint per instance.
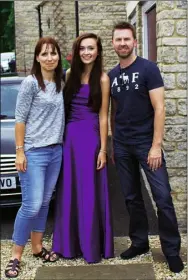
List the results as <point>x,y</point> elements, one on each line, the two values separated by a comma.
<point>127,159</point>
<point>37,184</point>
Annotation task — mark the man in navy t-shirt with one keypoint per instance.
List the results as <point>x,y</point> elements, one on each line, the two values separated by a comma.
<point>137,123</point>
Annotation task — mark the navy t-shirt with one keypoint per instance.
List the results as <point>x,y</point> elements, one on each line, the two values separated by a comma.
<point>130,88</point>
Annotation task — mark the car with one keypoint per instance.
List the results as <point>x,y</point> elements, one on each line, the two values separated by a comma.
<point>9,182</point>
<point>5,59</point>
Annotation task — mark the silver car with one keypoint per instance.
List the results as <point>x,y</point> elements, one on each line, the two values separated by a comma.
<point>10,186</point>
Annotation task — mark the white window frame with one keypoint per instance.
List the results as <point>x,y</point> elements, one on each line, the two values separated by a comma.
<point>145,8</point>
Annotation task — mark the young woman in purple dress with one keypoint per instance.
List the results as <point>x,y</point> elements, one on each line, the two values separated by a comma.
<point>83,222</point>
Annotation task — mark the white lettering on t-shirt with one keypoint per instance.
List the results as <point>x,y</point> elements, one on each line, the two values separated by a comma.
<point>125,79</point>
<point>115,82</point>
<point>135,76</point>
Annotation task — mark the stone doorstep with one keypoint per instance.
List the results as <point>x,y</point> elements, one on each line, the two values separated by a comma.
<point>97,272</point>
<point>159,257</point>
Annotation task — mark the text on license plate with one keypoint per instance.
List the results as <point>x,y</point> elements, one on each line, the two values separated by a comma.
<point>8,183</point>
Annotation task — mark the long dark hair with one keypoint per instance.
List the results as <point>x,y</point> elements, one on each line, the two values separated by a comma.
<point>36,68</point>
<point>73,83</point>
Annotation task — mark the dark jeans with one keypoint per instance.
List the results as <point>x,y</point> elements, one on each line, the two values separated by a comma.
<point>127,159</point>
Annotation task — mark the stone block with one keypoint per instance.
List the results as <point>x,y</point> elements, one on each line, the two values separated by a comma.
<point>174,41</point>
<point>170,105</point>
<point>166,54</point>
<point>182,107</point>
<point>182,54</point>
<point>181,197</point>
<point>178,184</point>
<point>175,120</point>
<point>165,5</point>
<point>169,146</point>
<point>181,27</point>
<point>165,28</point>
<point>171,14</point>
<point>169,81</point>
<point>175,68</point>
<point>182,80</point>
<point>175,93</point>
<point>175,133</point>
<point>182,146</point>
<point>178,159</point>
<point>179,172</point>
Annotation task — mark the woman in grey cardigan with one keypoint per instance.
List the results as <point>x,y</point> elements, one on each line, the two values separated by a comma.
<point>39,133</point>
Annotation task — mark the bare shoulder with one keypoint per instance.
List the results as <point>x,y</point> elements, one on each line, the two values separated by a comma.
<point>104,78</point>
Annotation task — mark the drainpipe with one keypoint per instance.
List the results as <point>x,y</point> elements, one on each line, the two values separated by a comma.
<point>77,18</point>
<point>39,21</point>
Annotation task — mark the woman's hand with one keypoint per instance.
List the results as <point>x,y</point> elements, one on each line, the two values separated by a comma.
<point>101,161</point>
<point>21,161</point>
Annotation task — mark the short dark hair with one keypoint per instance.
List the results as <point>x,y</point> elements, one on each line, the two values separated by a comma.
<point>124,25</point>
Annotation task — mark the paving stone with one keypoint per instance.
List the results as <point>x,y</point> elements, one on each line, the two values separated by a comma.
<point>159,257</point>
<point>97,272</point>
<point>120,245</point>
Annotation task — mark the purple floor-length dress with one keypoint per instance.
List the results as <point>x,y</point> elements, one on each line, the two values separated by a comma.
<point>83,222</point>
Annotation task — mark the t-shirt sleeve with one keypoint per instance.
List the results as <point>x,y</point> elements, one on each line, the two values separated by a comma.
<point>24,100</point>
<point>153,77</point>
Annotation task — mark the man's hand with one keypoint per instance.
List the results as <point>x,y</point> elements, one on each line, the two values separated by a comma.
<point>154,158</point>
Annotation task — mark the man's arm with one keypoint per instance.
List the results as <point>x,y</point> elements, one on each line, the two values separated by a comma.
<point>157,100</point>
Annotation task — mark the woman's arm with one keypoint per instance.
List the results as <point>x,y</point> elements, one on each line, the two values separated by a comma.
<point>23,105</point>
<point>21,162</point>
<point>103,120</point>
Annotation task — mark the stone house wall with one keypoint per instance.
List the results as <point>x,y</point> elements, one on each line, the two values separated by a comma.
<point>172,61</point>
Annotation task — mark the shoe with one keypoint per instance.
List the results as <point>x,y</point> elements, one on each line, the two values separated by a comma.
<point>175,263</point>
<point>13,266</point>
<point>43,254</point>
<point>133,252</point>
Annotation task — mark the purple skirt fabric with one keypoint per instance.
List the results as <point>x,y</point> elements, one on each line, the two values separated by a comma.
<point>83,221</point>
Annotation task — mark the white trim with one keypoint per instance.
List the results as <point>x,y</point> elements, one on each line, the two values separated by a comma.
<point>145,8</point>
<point>133,18</point>
<point>147,5</point>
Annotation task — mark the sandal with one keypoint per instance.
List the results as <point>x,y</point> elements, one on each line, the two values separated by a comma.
<point>14,266</point>
<point>53,257</point>
<point>44,255</point>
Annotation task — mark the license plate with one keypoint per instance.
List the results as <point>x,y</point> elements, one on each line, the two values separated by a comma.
<point>8,183</point>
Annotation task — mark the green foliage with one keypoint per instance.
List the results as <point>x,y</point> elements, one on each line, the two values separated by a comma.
<point>65,63</point>
<point>7,31</point>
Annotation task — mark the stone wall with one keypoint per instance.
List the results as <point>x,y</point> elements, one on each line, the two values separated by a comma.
<point>172,61</point>
<point>26,33</point>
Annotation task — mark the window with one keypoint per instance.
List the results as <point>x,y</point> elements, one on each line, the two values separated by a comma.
<point>149,30</point>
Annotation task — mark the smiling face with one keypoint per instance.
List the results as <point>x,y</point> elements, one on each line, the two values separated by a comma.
<point>48,57</point>
<point>88,50</point>
<point>123,42</point>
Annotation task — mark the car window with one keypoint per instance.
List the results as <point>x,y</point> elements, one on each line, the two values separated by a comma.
<point>9,94</point>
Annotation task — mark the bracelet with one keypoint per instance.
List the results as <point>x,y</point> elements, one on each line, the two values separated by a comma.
<point>103,151</point>
<point>19,147</point>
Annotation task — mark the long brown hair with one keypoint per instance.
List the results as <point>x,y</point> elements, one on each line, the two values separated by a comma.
<point>73,83</point>
<point>36,68</point>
